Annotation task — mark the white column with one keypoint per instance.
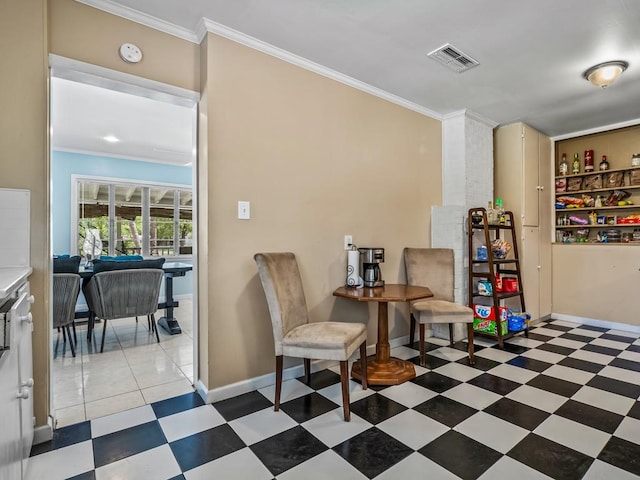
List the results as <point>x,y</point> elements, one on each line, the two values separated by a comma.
<point>467,182</point>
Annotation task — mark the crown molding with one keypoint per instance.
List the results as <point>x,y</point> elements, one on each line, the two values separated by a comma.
<point>470,115</point>
<point>209,26</point>
<point>605,128</point>
<point>142,18</point>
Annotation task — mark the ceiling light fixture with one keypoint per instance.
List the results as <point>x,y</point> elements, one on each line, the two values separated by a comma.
<point>111,138</point>
<point>604,74</point>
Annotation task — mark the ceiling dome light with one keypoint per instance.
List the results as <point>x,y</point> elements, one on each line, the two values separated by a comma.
<point>604,74</point>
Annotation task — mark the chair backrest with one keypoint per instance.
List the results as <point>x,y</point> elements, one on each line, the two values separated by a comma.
<point>124,293</point>
<point>282,286</point>
<point>433,268</point>
<point>65,295</point>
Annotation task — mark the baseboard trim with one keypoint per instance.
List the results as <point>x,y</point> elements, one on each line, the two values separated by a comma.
<point>594,322</point>
<point>43,433</point>
<point>255,383</point>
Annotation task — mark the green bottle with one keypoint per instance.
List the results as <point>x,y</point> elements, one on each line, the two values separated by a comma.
<point>576,164</point>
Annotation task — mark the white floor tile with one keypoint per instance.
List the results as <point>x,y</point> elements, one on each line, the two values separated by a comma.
<point>524,341</point>
<point>492,431</point>
<point>515,374</point>
<point>629,429</point>
<point>475,397</point>
<point>564,342</point>
<point>496,354</point>
<point>167,390</point>
<point>290,389</point>
<point>629,355</point>
<point>115,404</point>
<point>262,424</point>
<point>600,470</point>
<point>189,422</point>
<point>593,357</point>
<point>408,394</point>
<point>549,332</point>
<point>621,374</point>
<point>413,428</point>
<point>404,353</point>
<point>574,435</point>
<point>448,353</point>
<point>543,355</point>
<point>334,392</point>
<point>603,342</point>
<point>569,374</point>
<point>564,323</point>
<point>321,467</point>
<point>331,429</point>
<point>458,371</point>
<point>540,399</point>
<point>122,420</point>
<point>70,415</point>
<point>585,333</point>
<point>605,400</point>
<point>62,463</point>
<point>240,464</point>
<point>414,466</point>
<point>508,468</point>
<point>155,464</point>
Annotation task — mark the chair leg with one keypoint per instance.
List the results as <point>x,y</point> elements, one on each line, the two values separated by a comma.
<point>104,334</point>
<point>470,340</point>
<point>276,400</point>
<point>307,371</point>
<point>412,330</point>
<point>344,380</point>
<point>155,327</point>
<point>73,352</point>
<point>423,359</point>
<point>90,324</point>
<point>451,334</point>
<point>75,336</point>
<point>363,364</point>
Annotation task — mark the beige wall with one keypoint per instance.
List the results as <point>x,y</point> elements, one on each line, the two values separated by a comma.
<point>317,160</point>
<point>23,153</point>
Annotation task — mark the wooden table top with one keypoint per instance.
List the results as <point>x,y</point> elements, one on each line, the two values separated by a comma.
<point>387,293</point>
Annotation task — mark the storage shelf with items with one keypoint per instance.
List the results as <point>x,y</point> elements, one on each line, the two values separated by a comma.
<point>495,283</point>
<point>608,199</point>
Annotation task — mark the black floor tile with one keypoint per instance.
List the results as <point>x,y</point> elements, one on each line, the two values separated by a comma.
<point>446,411</point>
<point>63,437</point>
<point>428,346</point>
<point>615,386</point>
<point>242,405</point>
<point>529,364</point>
<point>612,352</point>
<point>308,406</point>
<point>376,408</point>
<point>432,362</point>
<point>575,337</point>
<point>540,337</point>
<point>493,383</point>
<point>622,454</point>
<point>581,365</point>
<point>463,456</point>
<point>549,347</point>
<point>463,346</point>
<point>633,348</point>
<point>372,451</point>
<point>626,364</point>
<point>635,411</point>
<point>178,404</point>
<point>90,475</point>
<point>593,328</point>
<point>480,363</point>
<point>177,477</point>
<point>116,446</point>
<point>204,447</point>
<point>555,460</point>
<point>322,379</point>
<point>287,449</point>
<point>560,328</point>
<point>554,385</point>
<point>436,382</point>
<point>590,415</point>
<point>618,338</point>
<point>517,413</point>
<point>513,348</point>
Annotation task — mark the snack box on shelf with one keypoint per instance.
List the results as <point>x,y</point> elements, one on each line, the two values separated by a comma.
<point>484,319</point>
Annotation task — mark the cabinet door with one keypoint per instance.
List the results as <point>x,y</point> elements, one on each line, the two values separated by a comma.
<point>531,181</point>
<point>10,445</point>
<point>25,369</point>
<point>530,270</point>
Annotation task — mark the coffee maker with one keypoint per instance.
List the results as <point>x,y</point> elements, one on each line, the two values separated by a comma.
<point>371,258</point>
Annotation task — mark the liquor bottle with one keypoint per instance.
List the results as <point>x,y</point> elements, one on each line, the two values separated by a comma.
<point>491,213</point>
<point>575,166</point>
<point>604,164</point>
<point>564,166</point>
<point>500,216</point>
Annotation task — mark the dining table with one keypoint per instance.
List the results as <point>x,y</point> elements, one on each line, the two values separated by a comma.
<point>382,368</point>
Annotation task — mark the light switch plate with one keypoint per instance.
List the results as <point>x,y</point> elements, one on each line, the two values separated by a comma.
<point>244,210</point>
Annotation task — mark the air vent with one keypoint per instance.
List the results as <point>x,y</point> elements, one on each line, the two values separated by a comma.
<point>453,58</point>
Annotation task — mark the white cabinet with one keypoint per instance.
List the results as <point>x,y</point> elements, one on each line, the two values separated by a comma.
<point>522,171</point>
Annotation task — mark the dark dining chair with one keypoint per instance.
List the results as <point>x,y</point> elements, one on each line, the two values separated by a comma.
<point>124,293</point>
<point>66,287</point>
<point>295,336</point>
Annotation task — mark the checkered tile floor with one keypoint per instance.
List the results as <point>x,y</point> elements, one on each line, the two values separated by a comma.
<point>562,404</point>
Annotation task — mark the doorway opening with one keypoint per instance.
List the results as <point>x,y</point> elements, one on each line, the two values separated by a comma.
<point>123,168</point>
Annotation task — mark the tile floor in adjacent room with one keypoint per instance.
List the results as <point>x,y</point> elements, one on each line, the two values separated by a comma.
<point>134,370</point>
<point>562,404</point>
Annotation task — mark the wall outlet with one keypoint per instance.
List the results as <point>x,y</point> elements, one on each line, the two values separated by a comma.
<point>348,241</point>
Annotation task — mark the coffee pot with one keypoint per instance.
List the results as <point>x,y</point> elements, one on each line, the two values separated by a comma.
<point>371,258</point>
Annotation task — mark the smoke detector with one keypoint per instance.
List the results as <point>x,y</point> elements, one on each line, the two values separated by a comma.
<point>130,53</point>
<point>453,58</point>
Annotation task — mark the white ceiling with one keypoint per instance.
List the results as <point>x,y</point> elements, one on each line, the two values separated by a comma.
<point>532,53</point>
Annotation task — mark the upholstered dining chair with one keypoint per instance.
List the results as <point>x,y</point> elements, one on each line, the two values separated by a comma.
<point>434,268</point>
<point>124,293</point>
<point>295,336</point>
<point>66,287</point>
